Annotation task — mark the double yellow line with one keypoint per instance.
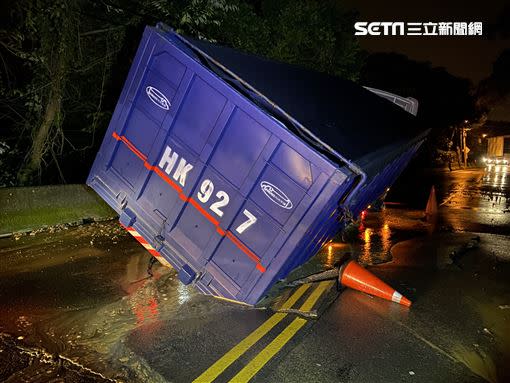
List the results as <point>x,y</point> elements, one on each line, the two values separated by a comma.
<point>272,348</point>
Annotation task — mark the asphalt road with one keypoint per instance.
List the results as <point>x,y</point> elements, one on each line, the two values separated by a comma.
<point>77,305</point>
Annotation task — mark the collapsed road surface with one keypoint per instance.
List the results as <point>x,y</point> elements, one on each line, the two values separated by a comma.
<point>77,305</point>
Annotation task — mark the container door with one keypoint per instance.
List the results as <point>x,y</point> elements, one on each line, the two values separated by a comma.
<point>152,101</point>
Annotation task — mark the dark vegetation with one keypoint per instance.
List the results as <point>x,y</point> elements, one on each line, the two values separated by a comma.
<point>63,64</point>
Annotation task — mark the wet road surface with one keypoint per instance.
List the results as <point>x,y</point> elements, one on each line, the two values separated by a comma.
<point>77,305</point>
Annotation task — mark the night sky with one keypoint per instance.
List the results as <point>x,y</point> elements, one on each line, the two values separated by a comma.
<point>464,56</point>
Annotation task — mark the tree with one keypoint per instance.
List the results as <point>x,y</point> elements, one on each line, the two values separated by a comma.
<point>44,41</point>
<point>66,49</point>
<point>65,61</point>
<point>495,88</point>
<point>314,34</point>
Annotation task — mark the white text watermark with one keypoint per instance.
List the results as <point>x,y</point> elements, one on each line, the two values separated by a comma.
<point>401,28</point>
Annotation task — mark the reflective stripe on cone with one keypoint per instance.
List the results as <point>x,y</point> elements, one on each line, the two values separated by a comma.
<point>358,278</point>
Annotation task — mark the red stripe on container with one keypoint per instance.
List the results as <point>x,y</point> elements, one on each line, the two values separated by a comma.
<point>166,179</point>
<point>130,146</point>
<point>183,197</point>
<point>204,213</point>
<point>241,246</point>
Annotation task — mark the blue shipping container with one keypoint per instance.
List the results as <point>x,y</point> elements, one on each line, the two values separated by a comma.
<point>207,157</point>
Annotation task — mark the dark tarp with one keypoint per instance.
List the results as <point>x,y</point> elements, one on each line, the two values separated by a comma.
<point>352,120</point>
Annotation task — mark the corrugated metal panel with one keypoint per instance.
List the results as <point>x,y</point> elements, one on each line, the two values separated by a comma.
<point>216,184</point>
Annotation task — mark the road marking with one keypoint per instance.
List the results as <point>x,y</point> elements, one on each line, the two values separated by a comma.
<point>281,340</point>
<point>269,351</point>
<point>314,296</point>
<point>231,356</point>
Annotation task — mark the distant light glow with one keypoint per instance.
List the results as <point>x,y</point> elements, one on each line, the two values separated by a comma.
<point>366,236</point>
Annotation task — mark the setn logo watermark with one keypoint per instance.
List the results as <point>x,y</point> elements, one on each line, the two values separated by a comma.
<point>401,28</point>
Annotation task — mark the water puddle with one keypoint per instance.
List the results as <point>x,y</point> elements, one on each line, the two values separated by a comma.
<point>379,231</point>
<point>70,300</point>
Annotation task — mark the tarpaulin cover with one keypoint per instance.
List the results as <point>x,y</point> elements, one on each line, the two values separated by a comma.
<point>351,119</point>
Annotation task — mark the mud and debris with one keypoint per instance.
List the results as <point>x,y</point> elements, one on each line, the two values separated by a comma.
<point>21,363</point>
<point>51,229</point>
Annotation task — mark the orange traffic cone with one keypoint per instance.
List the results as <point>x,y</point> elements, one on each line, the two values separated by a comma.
<point>431,208</point>
<point>356,277</point>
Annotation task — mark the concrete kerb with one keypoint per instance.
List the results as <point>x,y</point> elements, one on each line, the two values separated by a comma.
<point>26,209</point>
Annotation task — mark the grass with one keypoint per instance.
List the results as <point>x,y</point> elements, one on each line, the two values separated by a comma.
<point>23,209</point>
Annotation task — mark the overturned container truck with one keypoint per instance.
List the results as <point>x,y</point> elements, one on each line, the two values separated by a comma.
<point>234,169</point>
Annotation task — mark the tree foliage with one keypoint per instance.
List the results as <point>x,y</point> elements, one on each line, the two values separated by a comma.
<point>63,63</point>
<point>315,34</point>
<point>51,68</point>
<point>495,89</point>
